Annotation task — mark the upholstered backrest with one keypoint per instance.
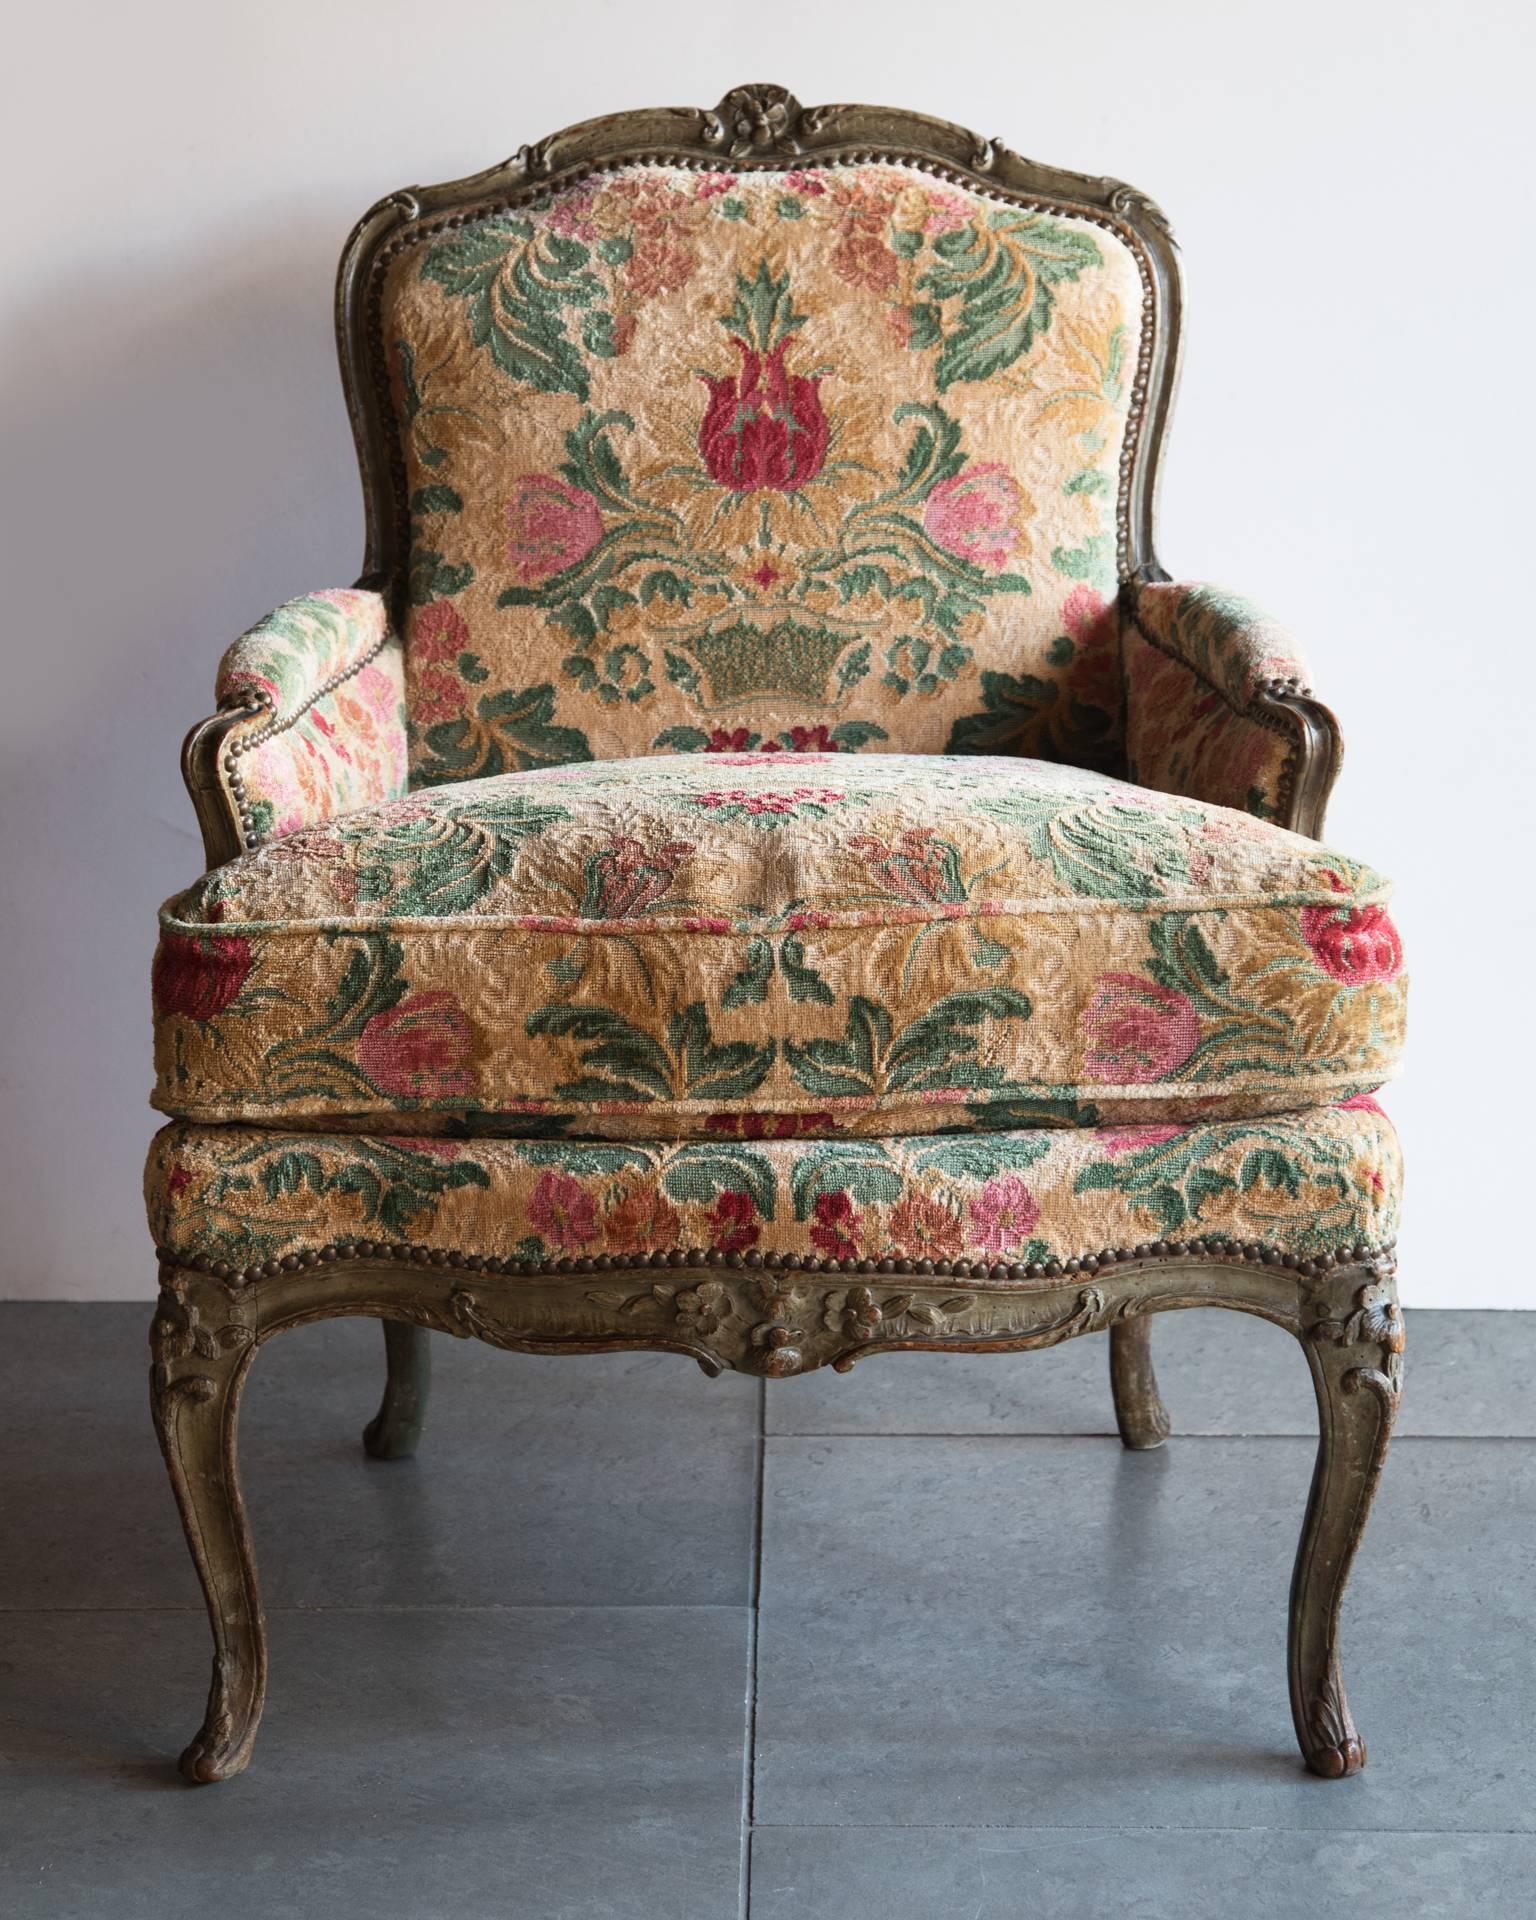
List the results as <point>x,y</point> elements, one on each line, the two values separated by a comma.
<point>725,456</point>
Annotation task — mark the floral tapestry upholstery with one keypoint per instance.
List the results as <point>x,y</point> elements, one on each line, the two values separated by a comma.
<point>1303,1183</point>
<point>685,946</point>
<point>1195,662</point>
<point>823,458</point>
<point>324,678</point>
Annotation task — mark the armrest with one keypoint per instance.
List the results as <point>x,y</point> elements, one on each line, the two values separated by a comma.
<point>311,722</point>
<point>1218,706</point>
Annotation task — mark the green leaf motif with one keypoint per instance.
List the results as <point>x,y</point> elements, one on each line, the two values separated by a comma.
<point>860,1168</point>
<point>1002,272</point>
<point>712,1070</point>
<point>831,1068</point>
<point>1102,847</point>
<point>447,861</point>
<point>937,1050</point>
<point>621,1061</point>
<point>518,287</point>
<point>702,1173</point>
<point>431,577</point>
<point>750,985</point>
<point>437,498</point>
<point>1010,703</point>
<point>513,729</point>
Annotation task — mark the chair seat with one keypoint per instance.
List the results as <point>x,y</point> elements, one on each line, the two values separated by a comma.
<point>1019,1204</point>
<point>719,945</point>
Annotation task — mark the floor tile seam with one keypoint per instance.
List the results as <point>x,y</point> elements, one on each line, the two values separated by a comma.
<point>919,1433</point>
<point>1318,1833</point>
<point>195,1610</point>
<point>754,1643</point>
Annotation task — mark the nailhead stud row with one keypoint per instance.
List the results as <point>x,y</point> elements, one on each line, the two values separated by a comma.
<point>1252,1251</point>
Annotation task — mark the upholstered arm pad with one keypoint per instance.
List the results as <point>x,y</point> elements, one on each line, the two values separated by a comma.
<point>311,720</point>
<point>1218,706</point>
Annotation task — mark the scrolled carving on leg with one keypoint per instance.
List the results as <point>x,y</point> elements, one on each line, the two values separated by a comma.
<point>1354,1342</point>
<point>201,1345</point>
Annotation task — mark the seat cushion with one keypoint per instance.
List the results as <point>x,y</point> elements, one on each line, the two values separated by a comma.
<point>1301,1184</point>
<point>717,946</point>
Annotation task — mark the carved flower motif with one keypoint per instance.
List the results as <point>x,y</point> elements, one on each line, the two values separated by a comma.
<point>703,1309</point>
<point>853,1312</point>
<point>780,1354</point>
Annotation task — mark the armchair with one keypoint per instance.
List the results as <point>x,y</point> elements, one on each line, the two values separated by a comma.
<point>766,866</point>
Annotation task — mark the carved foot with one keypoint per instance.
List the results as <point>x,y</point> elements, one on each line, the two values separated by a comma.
<point>394,1432</point>
<point>228,1733</point>
<point>1355,1347</point>
<point>1139,1411</point>
<point>202,1349</point>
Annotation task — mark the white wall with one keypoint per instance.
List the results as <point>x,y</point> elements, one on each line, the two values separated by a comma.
<point>1351,447</point>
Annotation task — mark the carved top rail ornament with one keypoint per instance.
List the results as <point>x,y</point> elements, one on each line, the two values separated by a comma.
<point>761,119</point>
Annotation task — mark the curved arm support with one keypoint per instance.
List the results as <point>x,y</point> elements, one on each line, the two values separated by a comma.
<point>311,722</point>
<point>1218,706</point>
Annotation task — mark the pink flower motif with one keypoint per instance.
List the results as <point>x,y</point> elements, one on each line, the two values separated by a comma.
<point>562,1210</point>
<point>836,1221</point>
<point>1003,1214</point>
<point>733,1222</point>
<point>1357,945</point>
<point>437,696</point>
<point>1136,1030</point>
<point>421,1048</point>
<point>1117,1140</point>
<point>1361,1103</point>
<point>1081,608</point>
<point>438,632</point>
<point>570,211</point>
<point>553,526</point>
<point>810,184</point>
<point>974,515</point>
<point>948,212</point>
<point>713,185</point>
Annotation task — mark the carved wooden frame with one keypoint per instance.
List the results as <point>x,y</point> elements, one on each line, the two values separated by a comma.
<point>774,1322</point>
<point>734,1312</point>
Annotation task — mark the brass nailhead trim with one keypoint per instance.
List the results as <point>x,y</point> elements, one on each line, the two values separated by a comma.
<point>247,743</point>
<point>574,176</point>
<point>1211,1247</point>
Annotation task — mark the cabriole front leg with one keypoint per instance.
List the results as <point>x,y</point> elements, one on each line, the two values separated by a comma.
<point>202,1346</point>
<point>1354,1344</point>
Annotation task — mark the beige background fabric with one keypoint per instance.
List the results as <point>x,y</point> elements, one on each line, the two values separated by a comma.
<point>178,458</point>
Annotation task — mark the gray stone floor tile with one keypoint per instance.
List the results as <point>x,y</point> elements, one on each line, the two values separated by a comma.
<point>896,1874</point>
<point>548,1765</point>
<point>1468,1374</point>
<point>618,1479</point>
<point>1052,1632</point>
